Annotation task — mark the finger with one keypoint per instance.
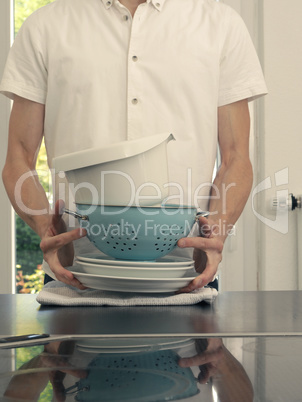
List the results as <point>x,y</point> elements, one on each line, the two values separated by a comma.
<point>60,240</point>
<point>204,227</point>
<point>59,207</point>
<point>197,360</point>
<point>56,379</point>
<point>206,373</point>
<point>63,366</point>
<point>62,274</point>
<point>200,281</point>
<point>58,212</point>
<point>201,243</point>
<point>196,283</point>
<point>65,276</point>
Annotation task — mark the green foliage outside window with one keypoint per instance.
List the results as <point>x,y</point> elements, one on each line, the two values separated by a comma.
<point>30,277</point>
<point>23,9</point>
<point>24,357</point>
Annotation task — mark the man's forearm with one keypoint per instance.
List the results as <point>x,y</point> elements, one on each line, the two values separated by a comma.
<point>26,127</point>
<point>27,196</point>
<point>229,195</point>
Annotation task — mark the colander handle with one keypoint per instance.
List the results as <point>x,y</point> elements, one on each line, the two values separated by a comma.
<point>75,389</point>
<point>201,213</point>
<point>76,214</point>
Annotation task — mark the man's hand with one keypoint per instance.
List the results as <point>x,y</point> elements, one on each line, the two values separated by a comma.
<point>218,365</point>
<point>207,255</point>
<point>207,360</point>
<point>57,247</point>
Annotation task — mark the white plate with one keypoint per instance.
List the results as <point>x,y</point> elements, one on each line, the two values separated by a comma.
<point>137,272</point>
<point>166,261</point>
<point>137,285</point>
<point>132,345</point>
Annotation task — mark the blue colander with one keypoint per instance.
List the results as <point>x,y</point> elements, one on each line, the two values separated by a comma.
<point>136,233</point>
<point>142,377</point>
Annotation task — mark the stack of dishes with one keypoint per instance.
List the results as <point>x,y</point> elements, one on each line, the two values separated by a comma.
<point>166,274</point>
<point>133,345</point>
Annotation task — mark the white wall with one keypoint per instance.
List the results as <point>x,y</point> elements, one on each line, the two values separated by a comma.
<point>239,267</point>
<point>281,145</point>
<point>276,29</point>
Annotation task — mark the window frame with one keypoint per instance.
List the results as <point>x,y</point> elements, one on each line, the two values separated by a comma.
<point>7,245</point>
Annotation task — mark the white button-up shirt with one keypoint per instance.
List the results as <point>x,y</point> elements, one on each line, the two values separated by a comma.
<point>106,77</point>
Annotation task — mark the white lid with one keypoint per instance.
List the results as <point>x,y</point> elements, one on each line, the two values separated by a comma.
<point>112,152</point>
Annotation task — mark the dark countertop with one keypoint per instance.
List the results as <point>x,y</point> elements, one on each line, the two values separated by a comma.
<point>245,347</point>
<point>233,314</point>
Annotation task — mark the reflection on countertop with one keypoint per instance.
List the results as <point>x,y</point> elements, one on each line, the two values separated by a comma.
<point>154,369</point>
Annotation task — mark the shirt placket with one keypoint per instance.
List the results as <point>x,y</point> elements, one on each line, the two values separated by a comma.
<point>134,85</point>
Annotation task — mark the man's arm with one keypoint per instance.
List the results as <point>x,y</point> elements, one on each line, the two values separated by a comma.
<point>25,136</point>
<point>26,193</point>
<point>230,192</point>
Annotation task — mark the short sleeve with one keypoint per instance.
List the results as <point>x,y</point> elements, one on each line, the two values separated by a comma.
<point>241,75</point>
<point>25,73</point>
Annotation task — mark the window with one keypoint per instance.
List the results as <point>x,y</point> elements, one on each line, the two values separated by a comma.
<point>29,275</point>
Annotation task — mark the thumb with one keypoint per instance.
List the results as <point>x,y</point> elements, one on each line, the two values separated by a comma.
<point>56,218</point>
<point>59,207</point>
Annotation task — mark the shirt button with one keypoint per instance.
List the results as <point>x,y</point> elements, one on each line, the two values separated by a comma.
<point>134,101</point>
<point>134,58</point>
<point>108,3</point>
<point>157,4</point>
<point>125,17</point>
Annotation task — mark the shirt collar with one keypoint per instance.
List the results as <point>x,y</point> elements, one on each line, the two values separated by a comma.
<point>158,4</point>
